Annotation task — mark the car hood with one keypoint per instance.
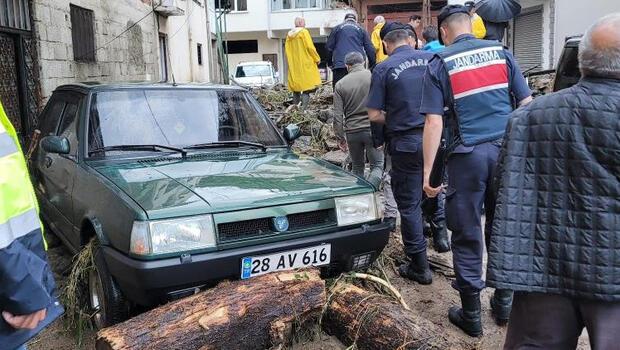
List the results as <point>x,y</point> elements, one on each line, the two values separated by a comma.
<point>224,181</point>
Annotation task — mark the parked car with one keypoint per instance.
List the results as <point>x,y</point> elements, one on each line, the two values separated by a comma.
<point>256,74</point>
<point>567,71</point>
<point>184,186</point>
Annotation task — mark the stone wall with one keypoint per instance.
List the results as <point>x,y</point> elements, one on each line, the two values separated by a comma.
<point>132,56</point>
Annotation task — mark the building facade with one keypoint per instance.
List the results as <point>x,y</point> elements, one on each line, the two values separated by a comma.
<point>537,35</point>
<point>19,70</point>
<point>256,30</point>
<point>47,43</point>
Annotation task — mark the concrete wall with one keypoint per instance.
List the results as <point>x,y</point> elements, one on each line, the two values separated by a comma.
<point>183,34</point>
<point>574,17</point>
<point>265,46</point>
<point>133,56</point>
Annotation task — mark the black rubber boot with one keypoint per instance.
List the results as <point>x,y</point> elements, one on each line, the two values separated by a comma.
<point>418,269</point>
<point>427,229</point>
<point>467,318</point>
<point>440,237</point>
<point>501,304</point>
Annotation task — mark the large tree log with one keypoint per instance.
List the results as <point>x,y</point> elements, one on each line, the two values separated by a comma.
<point>377,322</point>
<point>253,314</point>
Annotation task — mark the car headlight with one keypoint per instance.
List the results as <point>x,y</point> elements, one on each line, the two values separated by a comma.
<point>172,236</point>
<point>356,209</point>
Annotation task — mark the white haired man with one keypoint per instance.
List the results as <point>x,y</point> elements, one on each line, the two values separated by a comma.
<point>555,234</point>
<point>376,39</point>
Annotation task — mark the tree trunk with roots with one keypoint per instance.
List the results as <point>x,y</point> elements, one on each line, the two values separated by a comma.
<point>374,321</point>
<point>259,313</point>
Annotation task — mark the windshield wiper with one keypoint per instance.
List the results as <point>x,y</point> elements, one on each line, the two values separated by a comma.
<point>219,144</point>
<point>154,148</point>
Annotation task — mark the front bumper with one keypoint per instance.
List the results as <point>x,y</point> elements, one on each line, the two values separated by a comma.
<point>151,282</point>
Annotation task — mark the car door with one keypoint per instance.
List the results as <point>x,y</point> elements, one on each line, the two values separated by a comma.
<point>57,171</point>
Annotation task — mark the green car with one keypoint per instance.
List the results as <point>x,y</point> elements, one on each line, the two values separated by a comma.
<point>183,186</point>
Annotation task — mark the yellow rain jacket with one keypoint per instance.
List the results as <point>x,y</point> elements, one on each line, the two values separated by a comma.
<point>478,28</point>
<point>376,42</point>
<point>303,73</point>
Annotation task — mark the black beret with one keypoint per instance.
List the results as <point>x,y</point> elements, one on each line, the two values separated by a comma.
<point>448,11</point>
<point>392,26</point>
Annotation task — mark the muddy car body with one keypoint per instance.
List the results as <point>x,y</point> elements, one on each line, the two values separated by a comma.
<point>184,186</point>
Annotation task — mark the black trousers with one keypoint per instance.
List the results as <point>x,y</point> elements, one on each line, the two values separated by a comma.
<point>550,322</point>
<point>338,73</point>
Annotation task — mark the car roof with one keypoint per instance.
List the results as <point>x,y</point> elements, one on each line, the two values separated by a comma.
<point>91,86</point>
<point>573,41</point>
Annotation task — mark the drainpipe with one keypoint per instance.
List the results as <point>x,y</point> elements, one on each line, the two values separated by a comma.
<point>209,42</point>
<point>190,39</point>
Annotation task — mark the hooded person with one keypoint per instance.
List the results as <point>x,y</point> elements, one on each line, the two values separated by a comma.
<point>478,28</point>
<point>345,38</point>
<point>302,58</point>
<point>376,39</point>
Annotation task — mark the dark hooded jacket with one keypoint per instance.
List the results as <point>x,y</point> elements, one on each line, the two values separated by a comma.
<point>557,220</point>
<point>349,37</point>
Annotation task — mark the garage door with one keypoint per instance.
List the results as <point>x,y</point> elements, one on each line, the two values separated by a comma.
<point>528,38</point>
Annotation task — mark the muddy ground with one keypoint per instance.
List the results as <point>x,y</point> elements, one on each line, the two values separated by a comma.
<point>429,302</point>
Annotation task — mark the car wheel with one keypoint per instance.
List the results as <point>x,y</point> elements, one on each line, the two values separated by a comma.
<point>106,301</point>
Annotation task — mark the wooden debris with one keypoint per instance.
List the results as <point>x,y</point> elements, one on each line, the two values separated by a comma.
<point>374,322</point>
<point>259,313</point>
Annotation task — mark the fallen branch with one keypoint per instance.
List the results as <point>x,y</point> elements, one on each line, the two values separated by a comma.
<point>384,283</point>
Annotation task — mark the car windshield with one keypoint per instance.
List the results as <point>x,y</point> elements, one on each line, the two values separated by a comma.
<point>253,71</point>
<point>177,118</point>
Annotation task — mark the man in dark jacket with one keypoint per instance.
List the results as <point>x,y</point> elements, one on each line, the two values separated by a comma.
<point>556,233</point>
<point>477,81</point>
<point>348,37</point>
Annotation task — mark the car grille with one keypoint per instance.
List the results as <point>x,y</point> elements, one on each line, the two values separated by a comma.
<point>232,231</point>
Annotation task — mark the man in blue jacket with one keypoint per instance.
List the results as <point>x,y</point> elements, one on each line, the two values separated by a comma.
<point>345,38</point>
<point>431,36</point>
<point>471,84</point>
<point>387,104</point>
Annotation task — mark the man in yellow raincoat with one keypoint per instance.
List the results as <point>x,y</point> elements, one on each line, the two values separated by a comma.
<point>303,73</point>
<point>477,24</point>
<point>376,39</point>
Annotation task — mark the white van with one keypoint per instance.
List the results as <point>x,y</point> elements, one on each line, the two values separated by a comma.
<point>255,74</point>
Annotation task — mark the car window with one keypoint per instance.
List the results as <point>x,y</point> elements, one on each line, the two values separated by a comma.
<point>176,118</point>
<point>51,116</point>
<point>253,71</point>
<point>68,127</point>
<point>568,73</point>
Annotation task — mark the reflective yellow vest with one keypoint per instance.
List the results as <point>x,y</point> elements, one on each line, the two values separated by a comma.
<point>18,205</point>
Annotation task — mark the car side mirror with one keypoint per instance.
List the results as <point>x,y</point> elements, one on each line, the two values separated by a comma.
<point>277,75</point>
<point>55,144</point>
<point>292,132</point>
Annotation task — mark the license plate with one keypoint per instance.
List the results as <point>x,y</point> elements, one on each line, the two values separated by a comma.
<point>294,259</point>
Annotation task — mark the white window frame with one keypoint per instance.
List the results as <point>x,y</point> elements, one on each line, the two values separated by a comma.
<point>321,6</point>
<point>236,5</point>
